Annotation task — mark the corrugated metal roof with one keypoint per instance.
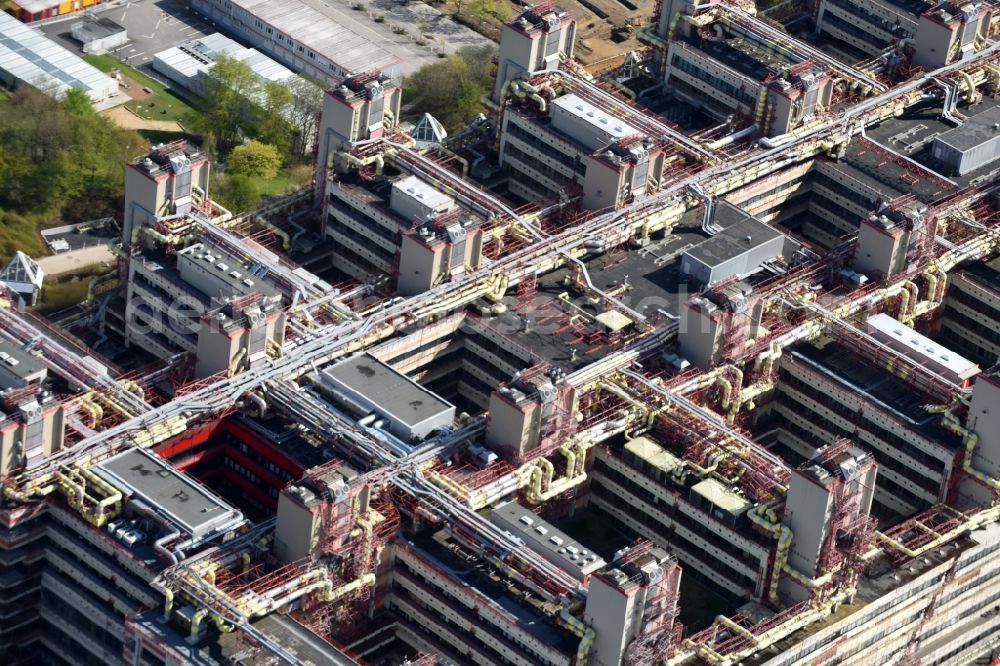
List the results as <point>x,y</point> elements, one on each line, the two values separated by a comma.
<point>312,24</point>
<point>191,58</point>
<point>32,57</point>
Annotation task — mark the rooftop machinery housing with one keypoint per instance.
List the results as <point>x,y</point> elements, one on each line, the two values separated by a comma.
<point>730,402</point>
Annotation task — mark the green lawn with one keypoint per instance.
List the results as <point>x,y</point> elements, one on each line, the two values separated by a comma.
<point>163,104</point>
<point>291,177</point>
<point>62,291</point>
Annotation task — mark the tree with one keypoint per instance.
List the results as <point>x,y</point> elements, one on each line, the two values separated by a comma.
<point>239,193</point>
<point>227,90</point>
<point>502,10</point>
<point>307,105</point>
<point>59,160</point>
<point>450,90</point>
<point>254,159</point>
<point>78,103</point>
<point>272,125</point>
<point>481,9</point>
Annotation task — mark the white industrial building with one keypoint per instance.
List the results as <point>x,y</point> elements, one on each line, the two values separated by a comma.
<point>27,57</point>
<point>99,34</point>
<point>187,64</point>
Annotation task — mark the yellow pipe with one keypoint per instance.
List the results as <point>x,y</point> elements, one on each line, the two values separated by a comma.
<point>196,621</point>
<point>168,602</point>
<point>970,439</point>
<point>585,633</point>
<point>223,626</point>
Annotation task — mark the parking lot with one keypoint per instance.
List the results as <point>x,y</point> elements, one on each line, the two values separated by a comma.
<point>152,25</point>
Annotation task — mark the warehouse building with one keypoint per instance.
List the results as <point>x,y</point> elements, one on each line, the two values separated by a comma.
<point>303,35</point>
<point>371,390</point>
<point>29,58</point>
<point>188,64</point>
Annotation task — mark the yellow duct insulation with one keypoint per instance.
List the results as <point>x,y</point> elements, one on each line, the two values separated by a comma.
<point>196,621</point>
<point>41,486</point>
<point>159,432</point>
<point>450,486</point>
<point>497,288</point>
<point>970,439</point>
<point>133,387</point>
<point>768,638</point>
<point>168,603</point>
<point>994,74</point>
<point>582,631</point>
<point>766,519</point>
<point>329,593</point>
<point>223,626</point>
<point>237,361</point>
<point>909,295</point>
<point>103,502</point>
<point>358,162</point>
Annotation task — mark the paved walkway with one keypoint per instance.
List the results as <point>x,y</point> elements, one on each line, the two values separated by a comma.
<point>67,262</point>
<point>128,120</point>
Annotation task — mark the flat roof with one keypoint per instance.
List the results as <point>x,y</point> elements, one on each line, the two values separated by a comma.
<point>975,131</point>
<point>539,533</point>
<point>189,505</point>
<point>987,272</point>
<point>198,55</point>
<point>392,391</point>
<point>18,362</point>
<point>614,127</point>
<point>96,27</point>
<point>311,23</point>
<point>921,348</point>
<point>30,56</point>
<point>719,495</point>
<point>892,394</point>
<point>210,256</point>
<point>532,614</point>
<point>296,639</point>
<point>739,236</point>
<point>650,452</point>
<point>422,191</point>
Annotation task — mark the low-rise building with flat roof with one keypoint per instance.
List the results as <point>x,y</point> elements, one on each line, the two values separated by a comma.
<point>27,57</point>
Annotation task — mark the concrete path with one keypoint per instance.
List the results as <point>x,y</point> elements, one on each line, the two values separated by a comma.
<point>67,262</point>
<point>128,120</point>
